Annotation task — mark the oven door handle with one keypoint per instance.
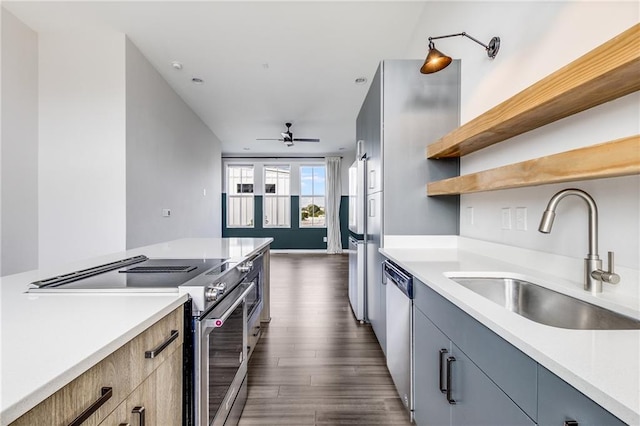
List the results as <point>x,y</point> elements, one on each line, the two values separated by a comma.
<point>217,322</point>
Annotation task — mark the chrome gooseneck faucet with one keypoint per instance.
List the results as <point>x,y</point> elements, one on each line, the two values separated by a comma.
<point>593,273</point>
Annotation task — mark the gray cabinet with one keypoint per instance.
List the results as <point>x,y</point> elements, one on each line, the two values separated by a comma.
<point>559,402</point>
<point>450,389</point>
<point>492,382</point>
<point>401,112</point>
<point>484,370</point>
<point>369,124</point>
<point>376,291</point>
<point>431,406</point>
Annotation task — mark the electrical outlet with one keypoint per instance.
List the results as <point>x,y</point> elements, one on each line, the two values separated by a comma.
<point>166,212</point>
<point>470,215</point>
<point>506,218</point>
<point>324,239</point>
<point>521,218</point>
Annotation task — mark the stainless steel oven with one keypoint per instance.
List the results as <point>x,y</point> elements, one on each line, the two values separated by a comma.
<point>224,296</point>
<point>220,366</point>
<point>254,268</point>
<point>255,300</point>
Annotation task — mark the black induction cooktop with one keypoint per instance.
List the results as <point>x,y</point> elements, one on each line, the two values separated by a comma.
<point>138,273</point>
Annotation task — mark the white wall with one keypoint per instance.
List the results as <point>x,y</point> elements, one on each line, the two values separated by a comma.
<point>173,161</point>
<point>537,39</point>
<point>19,153</point>
<point>1,14</point>
<point>81,145</point>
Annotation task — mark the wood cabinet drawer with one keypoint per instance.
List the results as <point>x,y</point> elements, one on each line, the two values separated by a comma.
<point>159,396</point>
<point>153,339</point>
<point>117,417</point>
<point>122,372</point>
<point>76,397</point>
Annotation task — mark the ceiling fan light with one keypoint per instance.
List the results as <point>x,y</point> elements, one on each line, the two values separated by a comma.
<point>435,61</point>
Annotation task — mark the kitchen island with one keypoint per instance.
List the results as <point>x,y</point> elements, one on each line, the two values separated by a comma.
<point>602,364</point>
<point>50,339</point>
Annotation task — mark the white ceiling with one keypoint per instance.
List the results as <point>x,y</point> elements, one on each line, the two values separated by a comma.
<point>314,52</point>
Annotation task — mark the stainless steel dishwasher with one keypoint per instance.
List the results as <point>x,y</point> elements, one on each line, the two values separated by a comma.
<point>400,330</point>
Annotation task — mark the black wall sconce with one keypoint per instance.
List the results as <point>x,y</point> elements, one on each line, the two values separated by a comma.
<point>437,60</point>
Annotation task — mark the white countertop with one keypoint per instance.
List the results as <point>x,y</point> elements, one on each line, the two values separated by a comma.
<point>602,364</point>
<point>48,339</point>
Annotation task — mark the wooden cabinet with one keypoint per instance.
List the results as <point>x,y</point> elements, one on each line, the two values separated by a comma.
<point>125,379</point>
<point>157,400</point>
<point>450,389</point>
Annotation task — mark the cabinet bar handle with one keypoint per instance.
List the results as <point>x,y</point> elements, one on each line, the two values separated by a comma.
<point>440,363</point>
<point>570,423</point>
<point>450,361</point>
<point>139,410</point>
<point>156,351</point>
<point>105,394</point>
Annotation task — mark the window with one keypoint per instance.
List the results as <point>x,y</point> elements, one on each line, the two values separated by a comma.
<point>277,196</point>
<point>312,192</point>
<point>240,196</point>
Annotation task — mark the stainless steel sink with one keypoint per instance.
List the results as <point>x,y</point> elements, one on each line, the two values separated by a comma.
<point>546,306</point>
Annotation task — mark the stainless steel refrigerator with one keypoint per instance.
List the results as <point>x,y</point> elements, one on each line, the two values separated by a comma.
<point>403,112</point>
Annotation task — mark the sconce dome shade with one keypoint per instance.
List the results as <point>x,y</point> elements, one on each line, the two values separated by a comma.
<point>435,61</point>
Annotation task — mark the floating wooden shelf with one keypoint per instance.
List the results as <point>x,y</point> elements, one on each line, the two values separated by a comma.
<point>620,157</point>
<point>607,72</point>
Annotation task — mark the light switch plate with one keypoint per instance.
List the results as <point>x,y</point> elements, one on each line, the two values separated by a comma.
<point>470,215</point>
<point>166,212</point>
<point>506,218</point>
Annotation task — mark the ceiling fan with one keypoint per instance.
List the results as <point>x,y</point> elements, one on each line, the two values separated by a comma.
<point>288,139</point>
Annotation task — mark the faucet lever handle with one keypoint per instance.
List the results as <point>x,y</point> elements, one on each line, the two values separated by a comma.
<point>610,262</point>
<point>609,276</point>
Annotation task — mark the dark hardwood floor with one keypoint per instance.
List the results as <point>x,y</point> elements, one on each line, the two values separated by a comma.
<point>315,364</point>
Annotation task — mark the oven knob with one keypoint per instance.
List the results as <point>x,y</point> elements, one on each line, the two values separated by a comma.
<point>221,287</point>
<point>211,294</point>
<point>248,266</point>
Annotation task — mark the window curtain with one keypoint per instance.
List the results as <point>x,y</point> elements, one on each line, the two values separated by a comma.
<point>334,192</point>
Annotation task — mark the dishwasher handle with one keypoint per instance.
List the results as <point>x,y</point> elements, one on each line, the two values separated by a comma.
<point>400,278</point>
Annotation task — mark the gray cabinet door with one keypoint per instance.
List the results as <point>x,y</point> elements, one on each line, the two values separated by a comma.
<point>376,292</point>
<point>478,401</point>
<point>370,118</point>
<point>559,402</point>
<point>430,405</point>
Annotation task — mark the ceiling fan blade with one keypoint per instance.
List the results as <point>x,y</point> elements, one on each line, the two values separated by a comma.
<point>261,139</point>
<point>306,140</point>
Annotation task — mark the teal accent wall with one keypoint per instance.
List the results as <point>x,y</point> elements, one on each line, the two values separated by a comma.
<point>288,238</point>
